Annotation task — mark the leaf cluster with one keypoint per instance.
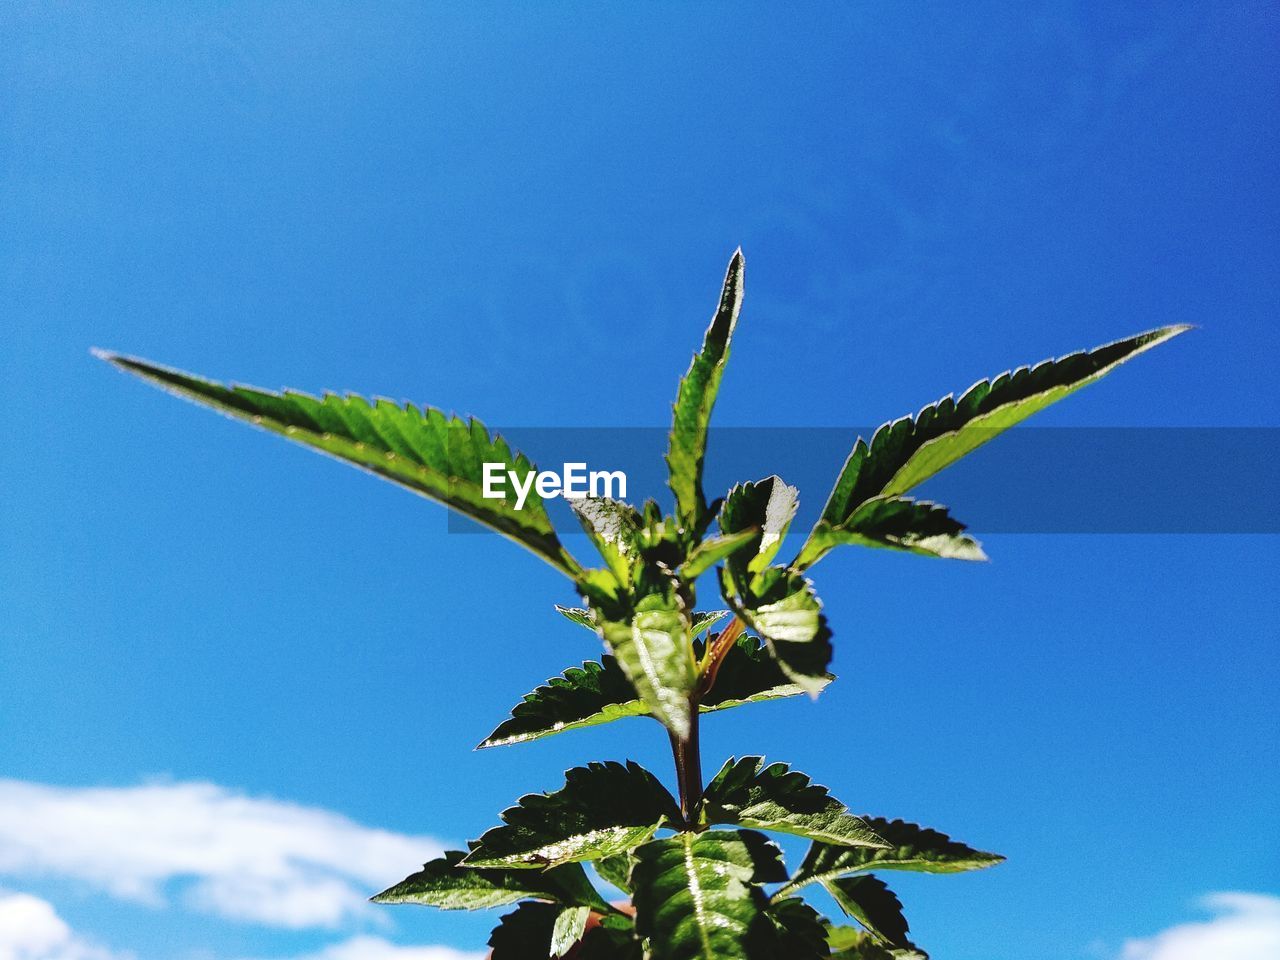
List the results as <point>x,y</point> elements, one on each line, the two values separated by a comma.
<point>702,877</point>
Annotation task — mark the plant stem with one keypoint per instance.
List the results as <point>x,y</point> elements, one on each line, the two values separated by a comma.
<point>688,757</point>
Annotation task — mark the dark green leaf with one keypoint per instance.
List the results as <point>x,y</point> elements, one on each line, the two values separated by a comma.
<point>911,847</point>
<point>908,451</point>
<point>444,884</point>
<point>610,942</point>
<point>766,508</point>
<point>848,943</point>
<point>694,401</point>
<point>783,609</point>
<point>615,870</point>
<point>697,895</point>
<point>775,797</point>
<point>869,901</point>
<point>802,932</point>
<point>434,455</point>
<point>525,933</point>
<point>602,810</point>
<point>597,693</point>
<point>898,523</point>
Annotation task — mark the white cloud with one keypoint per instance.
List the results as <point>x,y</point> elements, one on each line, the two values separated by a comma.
<point>30,929</point>
<point>375,948</point>
<point>241,857</point>
<point>1246,926</point>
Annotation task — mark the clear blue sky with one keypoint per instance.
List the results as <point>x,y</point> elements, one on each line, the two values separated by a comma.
<point>523,212</point>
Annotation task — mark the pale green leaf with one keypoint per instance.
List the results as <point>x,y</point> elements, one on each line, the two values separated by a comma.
<point>602,810</point>
<point>570,925</point>
<point>612,526</point>
<point>695,399</point>
<point>649,636</point>
<point>697,895</point>
<point>775,797</point>
<point>425,451</point>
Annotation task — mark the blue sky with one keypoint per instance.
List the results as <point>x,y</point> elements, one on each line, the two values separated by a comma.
<point>228,665</point>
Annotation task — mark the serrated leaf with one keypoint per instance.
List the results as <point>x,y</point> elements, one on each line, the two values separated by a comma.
<point>783,609</point>
<point>869,901</point>
<point>444,884</point>
<point>767,506</point>
<point>610,942</point>
<point>525,933</point>
<point>602,810</point>
<point>612,526</point>
<point>597,693</point>
<point>849,943</point>
<point>775,797</point>
<point>896,523</point>
<point>711,551</point>
<point>695,399</point>
<point>802,932</point>
<point>569,928</point>
<point>649,637</point>
<point>697,895</point>
<point>911,847</point>
<point>425,451</point>
<point>908,451</point>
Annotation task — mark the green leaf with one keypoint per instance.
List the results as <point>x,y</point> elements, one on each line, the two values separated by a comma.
<point>750,674</point>
<point>602,810</point>
<point>615,870</point>
<point>897,523</point>
<point>802,932</point>
<point>578,615</point>
<point>783,609</point>
<point>597,693</point>
<point>710,552</point>
<point>911,847</point>
<point>869,901</point>
<point>691,414</point>
<point>775,797</point>
<point>425,451</point>
<point>569,928</point>
<point>908,451</point>
<point>525,933</point>
<point>611,942</point>
<point>848,943</point>
<point>649,636</point>
<point>443,883</point>
<point>766,507</point>
<point>697,895</point>
<point>701,619</point>
<point>612,526</point>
